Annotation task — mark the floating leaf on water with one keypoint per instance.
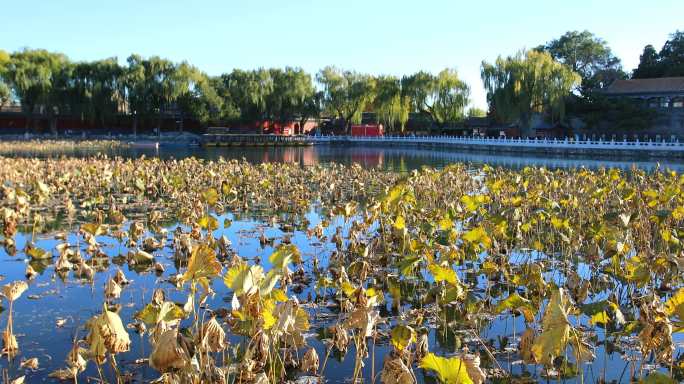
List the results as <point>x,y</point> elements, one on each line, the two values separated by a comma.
<point>448,370</point>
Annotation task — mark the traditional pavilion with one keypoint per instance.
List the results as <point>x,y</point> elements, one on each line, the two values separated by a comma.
<point>662,93</point>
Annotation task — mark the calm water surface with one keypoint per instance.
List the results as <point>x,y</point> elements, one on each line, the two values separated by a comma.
<point>400,159</point>
<point>51,297</point>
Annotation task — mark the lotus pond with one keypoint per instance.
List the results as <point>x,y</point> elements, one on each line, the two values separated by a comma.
<point>224,271</point>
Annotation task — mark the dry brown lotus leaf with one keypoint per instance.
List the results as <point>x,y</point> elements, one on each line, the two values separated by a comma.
<point>262,378</point>
<point>310,361</point>
<point>212,336</point>
<point>120,277</point>
<point>168,353</point>
<point>363,319</point>
<point>75,359</point>
<point>340,338</point>
<point>85,271</point>
<point>62,374</point>
<point>13,290</point>
<point>472,363</point>
<point>422,346</point>
<point>112,289</point>
<point>63,263</point>
<point>30,272</point>
<point>9,342</point>
<point>395,371</point>
<point>106,334</point>
<point>31,363</point>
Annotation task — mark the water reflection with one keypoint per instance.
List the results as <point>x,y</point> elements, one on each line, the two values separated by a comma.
<point>401,159</point>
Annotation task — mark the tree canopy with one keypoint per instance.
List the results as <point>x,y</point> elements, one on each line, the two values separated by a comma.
<point>669,62</point>
<point>587,55</point>
<point>346,93</point>
<point>442,97</point>
<point>529,82</point>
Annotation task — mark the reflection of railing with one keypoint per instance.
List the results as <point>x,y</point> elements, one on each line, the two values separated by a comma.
<point>217,139</point>
<point>536,143</point>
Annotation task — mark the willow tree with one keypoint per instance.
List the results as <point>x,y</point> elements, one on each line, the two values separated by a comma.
<point>292,97</point>
<point>39,79</point>
<point>97,90</point>
<point>443,97</point>
<point>346,93</point>
<point>392,103</point>
<point>5,91</point>
<point>527,83</point>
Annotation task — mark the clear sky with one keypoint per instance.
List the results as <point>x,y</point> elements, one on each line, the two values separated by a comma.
<point>375,36</point>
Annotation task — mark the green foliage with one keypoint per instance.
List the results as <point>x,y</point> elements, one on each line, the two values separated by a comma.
<point>668,62</point>
<point>442,97</point>
<point>529,82</point>
<point>588,55</point>
<point>611,115</point>
<point>38,78</point>
<point>346,93</point>
<point>392,103</point>
<point>476,112</point>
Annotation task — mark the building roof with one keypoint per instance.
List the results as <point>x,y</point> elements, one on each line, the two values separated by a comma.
<point>646,86</point>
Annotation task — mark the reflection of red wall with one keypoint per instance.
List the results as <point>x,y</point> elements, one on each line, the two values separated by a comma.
<point>309,156</point>
<point>370,159</point>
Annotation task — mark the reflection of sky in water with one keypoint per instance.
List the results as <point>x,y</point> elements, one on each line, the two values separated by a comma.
<point>78,301</point>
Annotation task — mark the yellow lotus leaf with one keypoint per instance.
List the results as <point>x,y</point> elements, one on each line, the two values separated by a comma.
<point>284,255</point>
<point>516,302</point>
<point>168,312</point>
<point>399,223</point>
<point>477,236</point>
<point>202,264</point>
<point>555,330</point>
<point>674,306</point>
<point>94,229</point>
<point>599,318</point>
<point>37,253</point>
<point>402,336</point>
<point>448,370</point>
<point>208,222</point>
<point>243,279</point>
<point>210,196</point>
<point>268,283</point>
<point>440,273</point>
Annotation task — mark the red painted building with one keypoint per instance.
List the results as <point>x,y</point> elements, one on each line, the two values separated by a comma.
<point>367,130</point>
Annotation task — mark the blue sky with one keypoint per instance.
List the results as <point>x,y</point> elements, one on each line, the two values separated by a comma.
<point>374,36</point>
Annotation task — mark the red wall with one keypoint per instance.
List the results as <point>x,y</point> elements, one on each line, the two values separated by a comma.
<point>367,130</point>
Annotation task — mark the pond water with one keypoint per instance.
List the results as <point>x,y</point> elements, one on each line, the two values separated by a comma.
<point>399,159</point>
<point>52,297</point>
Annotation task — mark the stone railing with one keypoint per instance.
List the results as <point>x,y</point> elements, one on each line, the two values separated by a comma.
<point>542,143</point>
